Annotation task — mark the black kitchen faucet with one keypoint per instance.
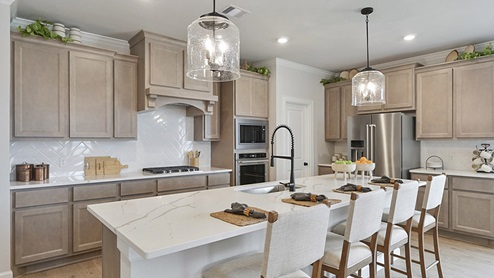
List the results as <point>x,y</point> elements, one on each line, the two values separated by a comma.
<point>291,184</point>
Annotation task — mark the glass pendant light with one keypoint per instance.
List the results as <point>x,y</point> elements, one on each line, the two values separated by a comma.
<point>213,48</point>
<point>368,85</point>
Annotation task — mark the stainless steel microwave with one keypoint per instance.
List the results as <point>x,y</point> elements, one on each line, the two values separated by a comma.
<point>251,134</point>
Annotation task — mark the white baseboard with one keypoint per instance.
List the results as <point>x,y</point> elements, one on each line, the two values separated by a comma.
<point>6,274</point>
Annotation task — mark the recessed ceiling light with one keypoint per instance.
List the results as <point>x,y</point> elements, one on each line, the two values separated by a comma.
<point>409,37</point>
<point>282,40</point>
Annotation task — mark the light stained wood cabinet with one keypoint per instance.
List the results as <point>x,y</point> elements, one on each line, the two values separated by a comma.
<point>65,91</point>
<point>435,103</point>
<point>218,180</point>
<point>162,74</point>
<point>324,170</point>
<point>473,206</point>
<point>125,97</point>
<point>251,95</point>
<point>41,233</point>
<point>40,90</point>
<point>474,100</point>
<point>338,107</point>
<point>207,127</point>
<point>91,95</point>
<point>399,92</point>
<point>86,229</point>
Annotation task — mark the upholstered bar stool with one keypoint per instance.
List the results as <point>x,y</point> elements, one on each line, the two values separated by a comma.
<point>294,240</point>
<point>345,255</point>
<point>426,219</point>
<point>390,235</point>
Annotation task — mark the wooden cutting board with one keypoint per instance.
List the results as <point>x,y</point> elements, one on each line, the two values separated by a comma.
<point>90,165</point>
<point>100,164</point>
<point>113,167</point>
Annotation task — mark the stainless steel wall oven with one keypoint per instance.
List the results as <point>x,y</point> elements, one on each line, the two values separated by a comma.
<point>251,168</point>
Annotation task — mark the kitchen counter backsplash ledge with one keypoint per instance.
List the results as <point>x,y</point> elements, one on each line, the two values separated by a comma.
<point>78,180</point>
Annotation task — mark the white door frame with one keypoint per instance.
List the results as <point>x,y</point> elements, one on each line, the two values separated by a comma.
<point>309,123</point>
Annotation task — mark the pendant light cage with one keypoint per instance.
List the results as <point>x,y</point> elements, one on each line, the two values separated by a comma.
<point>213,49</point>
<point>368,85</point>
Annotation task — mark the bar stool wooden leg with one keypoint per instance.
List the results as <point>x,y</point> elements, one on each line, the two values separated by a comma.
<point>422,252</point>
<point>436,252</point>
<point>387,263</point>
<point>408,258</point>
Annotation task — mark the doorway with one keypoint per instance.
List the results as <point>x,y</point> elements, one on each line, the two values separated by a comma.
<point>298,114</point>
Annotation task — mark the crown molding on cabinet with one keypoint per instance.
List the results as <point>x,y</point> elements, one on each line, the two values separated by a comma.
<point>121,46</point>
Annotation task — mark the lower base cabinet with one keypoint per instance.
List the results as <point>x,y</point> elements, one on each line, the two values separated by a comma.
<point>41,233</point>
<point>53,225</point>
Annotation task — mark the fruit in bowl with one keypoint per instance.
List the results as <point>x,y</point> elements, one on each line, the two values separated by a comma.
<point>343,166</point>
<point>363,164</point>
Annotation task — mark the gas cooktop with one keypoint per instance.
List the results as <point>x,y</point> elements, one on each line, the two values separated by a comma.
<point>170,169</point>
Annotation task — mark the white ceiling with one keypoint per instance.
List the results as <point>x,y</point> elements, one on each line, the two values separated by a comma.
<point>326,34</point>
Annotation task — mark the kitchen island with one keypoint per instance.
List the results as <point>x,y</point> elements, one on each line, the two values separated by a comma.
<point>175,236</point>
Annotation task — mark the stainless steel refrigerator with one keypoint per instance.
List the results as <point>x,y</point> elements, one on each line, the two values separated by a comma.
<point>388,139</point>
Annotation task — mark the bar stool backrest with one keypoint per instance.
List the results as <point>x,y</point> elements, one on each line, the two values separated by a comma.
<point>364,215</point>
<point>294,240</point>
<point>434,191</point>
<point>403,202</point>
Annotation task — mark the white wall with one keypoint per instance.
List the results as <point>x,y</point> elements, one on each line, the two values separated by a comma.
<point>4,138</point>
<point>289,79</point>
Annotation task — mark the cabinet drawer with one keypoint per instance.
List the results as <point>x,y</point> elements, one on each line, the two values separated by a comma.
<point>324,170</point>
<point>182,183</point>
<point>218,179</point>
<point>97,191</point>
<point>41,197</point>
<point>138,187</point>
<point>473,184</point>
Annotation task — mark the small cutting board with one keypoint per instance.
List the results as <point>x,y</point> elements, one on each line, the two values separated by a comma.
<point>113,167</point>
<point>90,165</point>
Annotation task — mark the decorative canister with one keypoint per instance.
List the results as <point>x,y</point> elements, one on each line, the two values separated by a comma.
<point>46,170</point>
<point>39,173</point>
<point>24,172</point>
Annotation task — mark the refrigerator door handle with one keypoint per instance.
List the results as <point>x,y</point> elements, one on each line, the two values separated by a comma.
<point>370,137</point>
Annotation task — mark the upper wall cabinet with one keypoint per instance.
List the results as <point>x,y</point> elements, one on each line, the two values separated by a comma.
<point>337,108</point>
<point>251,95</point>
<point>399,91</point>
<point>57,86</point>
<point>41,92</point>
<point>162,74</point>
<point>456,100</point>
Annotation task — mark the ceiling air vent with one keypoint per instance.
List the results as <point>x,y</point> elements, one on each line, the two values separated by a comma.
<point>234,11</point>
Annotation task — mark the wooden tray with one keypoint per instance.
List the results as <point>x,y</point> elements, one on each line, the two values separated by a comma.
<point>239,220</point>
<point>308,203</point>
<point>382,184</point>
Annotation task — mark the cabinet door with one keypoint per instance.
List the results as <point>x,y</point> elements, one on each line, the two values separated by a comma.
<point>473,213</point>
<point>40,233</point>
<point>435,104</point>
<point>347,109</point>
<point>243,96</point>
<point>260,98</point>
<point>91,95</point>
<point>125,99</point>
<point>400,95</point>
<point>87,229</point>
<point>40,90</point>
<point>166,65</point>
<point>332,113</point>
<point>474,100</point>
<point>207,127</point>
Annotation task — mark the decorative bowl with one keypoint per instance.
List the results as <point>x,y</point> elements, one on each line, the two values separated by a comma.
<point>344,167</point>
<point>365,166</point>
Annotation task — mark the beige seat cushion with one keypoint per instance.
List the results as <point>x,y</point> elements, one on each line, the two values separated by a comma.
<point>429,219</point>
<point>332,252</point>
<point>244,267</point>
<point>397,234</point>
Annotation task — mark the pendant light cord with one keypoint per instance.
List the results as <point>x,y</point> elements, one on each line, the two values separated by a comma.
<point>367,36</point>
<point>214,6</point>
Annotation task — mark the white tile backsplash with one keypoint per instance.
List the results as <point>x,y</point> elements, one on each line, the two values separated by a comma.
<point>163,138</point>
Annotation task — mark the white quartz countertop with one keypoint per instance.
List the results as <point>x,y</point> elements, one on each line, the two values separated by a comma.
<point>162,225</point>
<point>80,180</point>
<point>459,173</point>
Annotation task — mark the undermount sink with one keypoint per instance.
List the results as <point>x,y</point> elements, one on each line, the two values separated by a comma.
<point>267,189</point>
